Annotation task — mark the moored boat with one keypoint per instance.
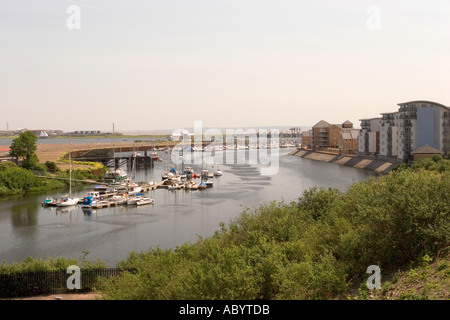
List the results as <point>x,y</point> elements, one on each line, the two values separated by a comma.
<point>209,183</point>
<point>67,201</point>
<point>49,202</point>
<point>135,199</point>
<point>120,198</point>
<point>144,201</point>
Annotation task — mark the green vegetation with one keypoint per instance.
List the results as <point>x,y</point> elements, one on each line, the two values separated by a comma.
<point>24,148</point>
<point>15,180</point>
<point>34,265</point>
<point>316,248</point>
<point>428,281</point>
<point>435,163</point>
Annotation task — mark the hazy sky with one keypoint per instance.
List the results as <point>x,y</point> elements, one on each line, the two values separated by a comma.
<point>147,65</point>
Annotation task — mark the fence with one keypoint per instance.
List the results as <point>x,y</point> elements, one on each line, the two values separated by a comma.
<point>51,282</point>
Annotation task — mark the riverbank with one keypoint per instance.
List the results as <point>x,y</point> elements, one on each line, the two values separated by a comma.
<point>377,165</point>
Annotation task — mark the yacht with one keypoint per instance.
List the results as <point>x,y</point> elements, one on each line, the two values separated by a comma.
<point>118,174</point>
<point>67,201</point>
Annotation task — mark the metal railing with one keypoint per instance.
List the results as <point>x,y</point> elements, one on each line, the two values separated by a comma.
<point>27,284</point>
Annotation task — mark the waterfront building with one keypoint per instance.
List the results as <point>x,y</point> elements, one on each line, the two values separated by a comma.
<point>306,137</point>
<point>396,135</point>
<point>423,123</point>
<point>320,135</point>
<point>326,135</point>
<point>369,137</point>
<point>389,135</point>
<point>348,141</point>
<point>425,151</point>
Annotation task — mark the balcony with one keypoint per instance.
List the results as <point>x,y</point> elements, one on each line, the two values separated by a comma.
<point>406,140</point>
<point>406,132</point>
<point>406,124</point>
<point>409,116</point>
<point>408,108</point>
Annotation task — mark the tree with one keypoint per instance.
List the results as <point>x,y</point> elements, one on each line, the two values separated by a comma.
<point>24,147</point>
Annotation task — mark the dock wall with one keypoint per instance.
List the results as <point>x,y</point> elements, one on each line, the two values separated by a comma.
<point>376,165</point>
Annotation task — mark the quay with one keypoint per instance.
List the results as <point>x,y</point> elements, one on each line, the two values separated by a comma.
<point>378,166</point>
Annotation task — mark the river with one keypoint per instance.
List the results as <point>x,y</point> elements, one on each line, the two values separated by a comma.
<point>177,217</point>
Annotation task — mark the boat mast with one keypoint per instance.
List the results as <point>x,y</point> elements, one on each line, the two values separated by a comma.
<point>70,173</point>
<point>114,151</point>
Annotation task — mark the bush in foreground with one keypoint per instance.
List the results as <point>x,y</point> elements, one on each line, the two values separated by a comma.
<point>313,249</point>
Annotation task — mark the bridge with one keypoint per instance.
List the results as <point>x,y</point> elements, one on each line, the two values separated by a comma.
<point>107,157</point>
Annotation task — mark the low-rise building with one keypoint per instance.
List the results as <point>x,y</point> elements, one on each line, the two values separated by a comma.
<point>348,141</point>
<point>326,135</point>
<point>306,137</point>
<point>425,151</point>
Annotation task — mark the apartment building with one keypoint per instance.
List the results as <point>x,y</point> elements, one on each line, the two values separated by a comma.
<point>326,135</point>
<point>389,135</point>
<point>396,135</point>
<point>423,123</point>
<point>348,141</point>
<point>320,135</point>
<point>306,137</point>
<point>369,137</point>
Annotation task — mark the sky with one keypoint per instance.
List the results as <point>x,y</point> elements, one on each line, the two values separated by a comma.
<point>147,65</point>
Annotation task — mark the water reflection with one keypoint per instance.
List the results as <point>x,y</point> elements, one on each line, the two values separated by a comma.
<point>24,215</point>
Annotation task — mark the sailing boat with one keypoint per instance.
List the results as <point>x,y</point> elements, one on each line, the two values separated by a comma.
<point>68,200</point>
<point>132,187</point>
<point>118,174</point>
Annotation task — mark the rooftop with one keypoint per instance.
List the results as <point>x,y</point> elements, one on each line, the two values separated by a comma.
<point>423,101</point>
<point>426,149</point>
<point>321,124</point>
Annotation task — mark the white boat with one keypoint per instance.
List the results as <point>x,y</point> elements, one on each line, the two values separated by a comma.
<point>100,204</point>
<point>133,189</point>
<point>93,194</point>
<point>68,200</point>
<point>144,201</point>
<point>133,200</point>
<point>120,198</point>
<point>209,183</point>
<point>218,173</point>
<point>118,174</point>
<point>174,186</point>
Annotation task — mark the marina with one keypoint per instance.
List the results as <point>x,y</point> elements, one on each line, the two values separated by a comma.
<point>109,232</point>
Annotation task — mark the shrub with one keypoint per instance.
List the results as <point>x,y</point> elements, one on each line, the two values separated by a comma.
<point>52,167</point>
<point>306,250</point>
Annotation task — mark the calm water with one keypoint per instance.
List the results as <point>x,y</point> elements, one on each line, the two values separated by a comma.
<point>27,229</point>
